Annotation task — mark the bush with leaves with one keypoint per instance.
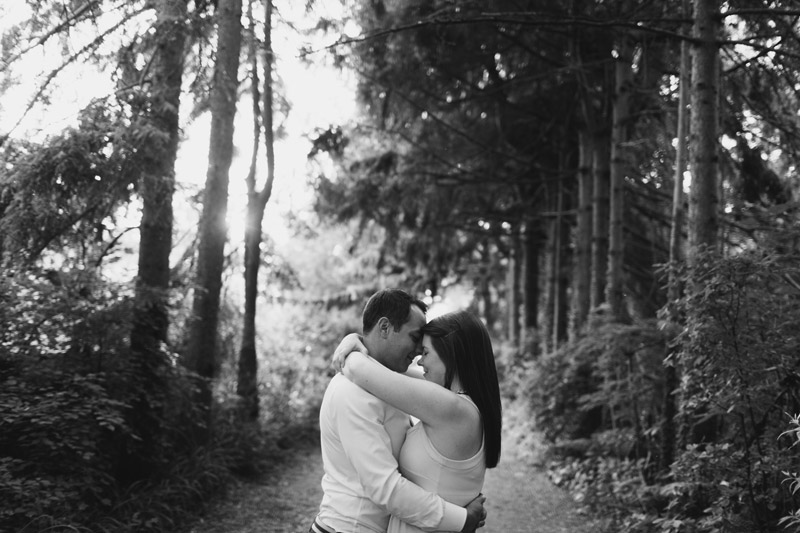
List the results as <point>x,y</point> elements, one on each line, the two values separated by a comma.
<point>792,520</point>
<point>605,383</point>
<point>739,366</point>
<point>80,447</point>
<point>600,401</point>
<point>59,420</point>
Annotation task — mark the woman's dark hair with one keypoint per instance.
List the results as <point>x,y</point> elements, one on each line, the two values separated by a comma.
<point>394,304</point>
<point>462,342</point>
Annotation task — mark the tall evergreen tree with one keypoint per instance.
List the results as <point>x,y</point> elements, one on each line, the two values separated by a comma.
<point>704,128</point>
<point>623,86</point>
<point>676,248</point>
<point>201,344</point>
<point>161,124</point>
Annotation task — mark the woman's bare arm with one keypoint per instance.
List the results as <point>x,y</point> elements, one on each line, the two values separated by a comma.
<point>429,402</point>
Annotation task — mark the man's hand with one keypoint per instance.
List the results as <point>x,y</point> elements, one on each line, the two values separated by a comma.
<point>349,344</point>
<point>476,515</point>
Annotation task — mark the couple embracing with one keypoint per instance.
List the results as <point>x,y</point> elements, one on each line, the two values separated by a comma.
<point>383,473</point>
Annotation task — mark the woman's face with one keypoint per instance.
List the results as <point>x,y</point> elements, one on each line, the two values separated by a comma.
<point>431,363</point>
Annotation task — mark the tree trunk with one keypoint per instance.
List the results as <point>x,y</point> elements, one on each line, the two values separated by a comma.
<point>202,331</point>
<point>581,298</point>
<point>671,378</point>
<point>247,384</point>
<point>558,244</point>
<point>703,221</point>
<point>484,285</point>
<point>561,267</point>
<point>247,381</point>
<point>513,290</point>
<point>600,213</point>
<point>703,199</point>
<point>150,320</point>
<point>549,320</point>
<point>532,243</point>
<point>615,289</point>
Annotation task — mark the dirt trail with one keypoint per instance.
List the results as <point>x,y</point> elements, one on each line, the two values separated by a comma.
<point>283,502</point>
<point>520,500</point>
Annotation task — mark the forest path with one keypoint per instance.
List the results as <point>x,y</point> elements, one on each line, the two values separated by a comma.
<point>520,499</point>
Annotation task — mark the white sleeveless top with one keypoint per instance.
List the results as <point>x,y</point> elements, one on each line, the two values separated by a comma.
<point>457,481</point>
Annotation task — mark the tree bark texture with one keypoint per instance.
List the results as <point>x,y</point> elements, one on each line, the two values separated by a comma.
<point>514,290</point>
<point>581,298</point>
<point>202,331</point>
<point>703,199</point>
<point>615,285</point>
<point>484,285</point>
<point>600,213</point>
<point>150,315</point>
<point>150,320</point>
<point>563,258</point>
<point>247,379</point>
<point>532,243</point>
<point>674,290</point>
<point>547,321</point>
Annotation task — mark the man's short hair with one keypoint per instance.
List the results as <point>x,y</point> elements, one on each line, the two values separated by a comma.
<point>394,304</point>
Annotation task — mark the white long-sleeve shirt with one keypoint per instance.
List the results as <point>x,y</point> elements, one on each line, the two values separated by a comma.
<point>361,437</point>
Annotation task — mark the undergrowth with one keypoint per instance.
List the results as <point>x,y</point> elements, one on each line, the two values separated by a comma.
<point>92,440</point>
<point>601,401</point>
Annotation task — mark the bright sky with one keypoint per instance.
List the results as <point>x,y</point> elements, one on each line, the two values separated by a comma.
<point>319,96</point>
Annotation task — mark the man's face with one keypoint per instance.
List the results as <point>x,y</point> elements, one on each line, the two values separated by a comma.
<point>403,345</point>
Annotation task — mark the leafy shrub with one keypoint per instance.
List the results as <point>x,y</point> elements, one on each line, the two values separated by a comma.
<point>792,520</point>
<point>600,398</point>
<point>95,439</point>
<point>53,440</point>
<point>611,379</point>
<point>60,420</point>
<point>738,359</point>
<point>89,436</point>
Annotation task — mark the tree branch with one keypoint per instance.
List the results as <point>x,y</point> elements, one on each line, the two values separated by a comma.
<point>255,91</point>
<point>56,29</point>
<point>96,42</point>
<point>111,244</point>
<point>522,18</point>
<point>759,11</point>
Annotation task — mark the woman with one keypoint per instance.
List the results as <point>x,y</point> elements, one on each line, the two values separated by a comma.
<point>457,404</point>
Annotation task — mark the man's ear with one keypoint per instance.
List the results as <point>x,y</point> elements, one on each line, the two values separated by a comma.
<point>384,327</point>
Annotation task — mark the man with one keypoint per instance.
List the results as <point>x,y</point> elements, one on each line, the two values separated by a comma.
<point>361,438</point>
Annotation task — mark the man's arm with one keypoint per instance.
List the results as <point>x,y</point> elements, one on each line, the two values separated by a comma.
<point>368,447</point>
